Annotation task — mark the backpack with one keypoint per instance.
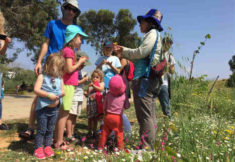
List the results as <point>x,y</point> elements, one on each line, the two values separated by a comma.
<point>129,70</point>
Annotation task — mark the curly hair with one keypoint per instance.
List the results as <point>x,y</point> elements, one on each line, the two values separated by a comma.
<point>100,73</point>
<point>54,65</point>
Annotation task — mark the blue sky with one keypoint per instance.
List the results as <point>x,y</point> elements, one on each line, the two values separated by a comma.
<point>190,22</point>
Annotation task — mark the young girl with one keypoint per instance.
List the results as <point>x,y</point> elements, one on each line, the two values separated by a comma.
<point>49,88</point>
<point>115,101</point>
<point>94,101</point>
<point>73,39</point>
<point>109,64</point>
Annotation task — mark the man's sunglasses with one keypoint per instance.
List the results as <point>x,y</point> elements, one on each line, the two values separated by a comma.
<point>70,8</point>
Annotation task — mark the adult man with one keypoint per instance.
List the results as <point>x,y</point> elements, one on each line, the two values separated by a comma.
<point>55,38</point>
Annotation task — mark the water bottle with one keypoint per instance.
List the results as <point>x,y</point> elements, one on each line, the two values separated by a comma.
<point>144,83</point>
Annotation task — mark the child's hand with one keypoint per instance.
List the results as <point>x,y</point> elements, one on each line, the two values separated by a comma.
<point>85,94</point>
<point>53,97</point>
<point>91,85</point>
<point>62,94</point>
<point>109,63</point>
<point>103,62</point>
<point>86,78</point>
<point>82,59</point>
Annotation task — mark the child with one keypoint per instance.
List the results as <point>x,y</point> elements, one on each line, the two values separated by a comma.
<point>76,106</point>
<point>115,101</point>
<point>94,101</point>
<point>73,39</point>
<point>48,87</point>
<point>109,64</point>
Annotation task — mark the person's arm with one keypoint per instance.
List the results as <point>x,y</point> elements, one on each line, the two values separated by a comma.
<point>39,92</point>
<point>105,104</point>
<point>43,51</point>
<point>62,88</point>
<point>172,69</point>
<point>83,80</point>
<point>100,65</point>
<point>116,70</point>
<point>4,45</point>
<point>142,51</point>
<point>98,88</point>
<point>123,63</point>
<point>69,64</point>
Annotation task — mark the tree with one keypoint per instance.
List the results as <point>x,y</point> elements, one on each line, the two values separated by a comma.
<point>103,24</point>
<point>231,80</point>
<point>232,63</point>
<point>26,21</point>
<point>196,52</point>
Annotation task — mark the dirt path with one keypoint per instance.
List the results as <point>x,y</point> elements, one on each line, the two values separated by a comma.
<point>18,107</point>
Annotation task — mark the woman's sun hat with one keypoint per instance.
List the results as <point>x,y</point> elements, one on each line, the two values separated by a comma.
<point>116,85</point>
<point>153,14</point>
<point>72,31</point>
<point>74,3</point>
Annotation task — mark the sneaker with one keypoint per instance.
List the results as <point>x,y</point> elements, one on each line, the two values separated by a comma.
<point>48,151</point>
<point>39,154</point>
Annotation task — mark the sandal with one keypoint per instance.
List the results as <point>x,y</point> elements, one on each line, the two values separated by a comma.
<point>71,139</point>
<point>27,136</point>
<point>4,127</point>
<point>63,146</point>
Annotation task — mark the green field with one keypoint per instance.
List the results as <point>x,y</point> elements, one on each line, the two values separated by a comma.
<point>202,129</point>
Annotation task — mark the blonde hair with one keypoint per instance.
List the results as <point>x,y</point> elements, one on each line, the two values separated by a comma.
<point>54,65</point>
<point>2,22</point>
<point>100,73</point>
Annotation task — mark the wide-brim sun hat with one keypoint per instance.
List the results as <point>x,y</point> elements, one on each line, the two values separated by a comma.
<point>155,15</point>
<point>74,3</point>
<point>72,31</point>
<point>116,85</point>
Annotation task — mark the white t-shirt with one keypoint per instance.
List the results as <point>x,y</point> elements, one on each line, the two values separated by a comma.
<point>172,62</point>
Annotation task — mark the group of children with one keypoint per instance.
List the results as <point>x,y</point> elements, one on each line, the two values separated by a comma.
<point>60,95</point>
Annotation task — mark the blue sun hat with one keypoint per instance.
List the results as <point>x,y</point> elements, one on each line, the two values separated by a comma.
<point>72,31</point>
<point>153,14</point>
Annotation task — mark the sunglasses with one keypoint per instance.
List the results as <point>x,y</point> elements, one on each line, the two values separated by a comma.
<point>70,8</point>
<point>53,83</point>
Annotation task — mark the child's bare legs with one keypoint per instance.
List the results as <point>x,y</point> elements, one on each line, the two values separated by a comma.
<point>61,122</point>
<point>70,125</point>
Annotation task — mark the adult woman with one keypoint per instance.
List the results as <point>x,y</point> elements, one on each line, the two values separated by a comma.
<point>150,25</point>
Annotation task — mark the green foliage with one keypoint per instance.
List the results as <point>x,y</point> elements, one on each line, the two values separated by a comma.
<point>26,21</point>
<point>101,25</point>
<point>231,80</point>
<point>22,75</point>
<point>232,63</point>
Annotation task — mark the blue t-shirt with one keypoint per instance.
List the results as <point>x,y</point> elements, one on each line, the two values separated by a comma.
<point>108,72</point>
<point>55,31</point>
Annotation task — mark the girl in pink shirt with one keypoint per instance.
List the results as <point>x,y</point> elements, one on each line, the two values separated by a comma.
<point>73,39</point>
